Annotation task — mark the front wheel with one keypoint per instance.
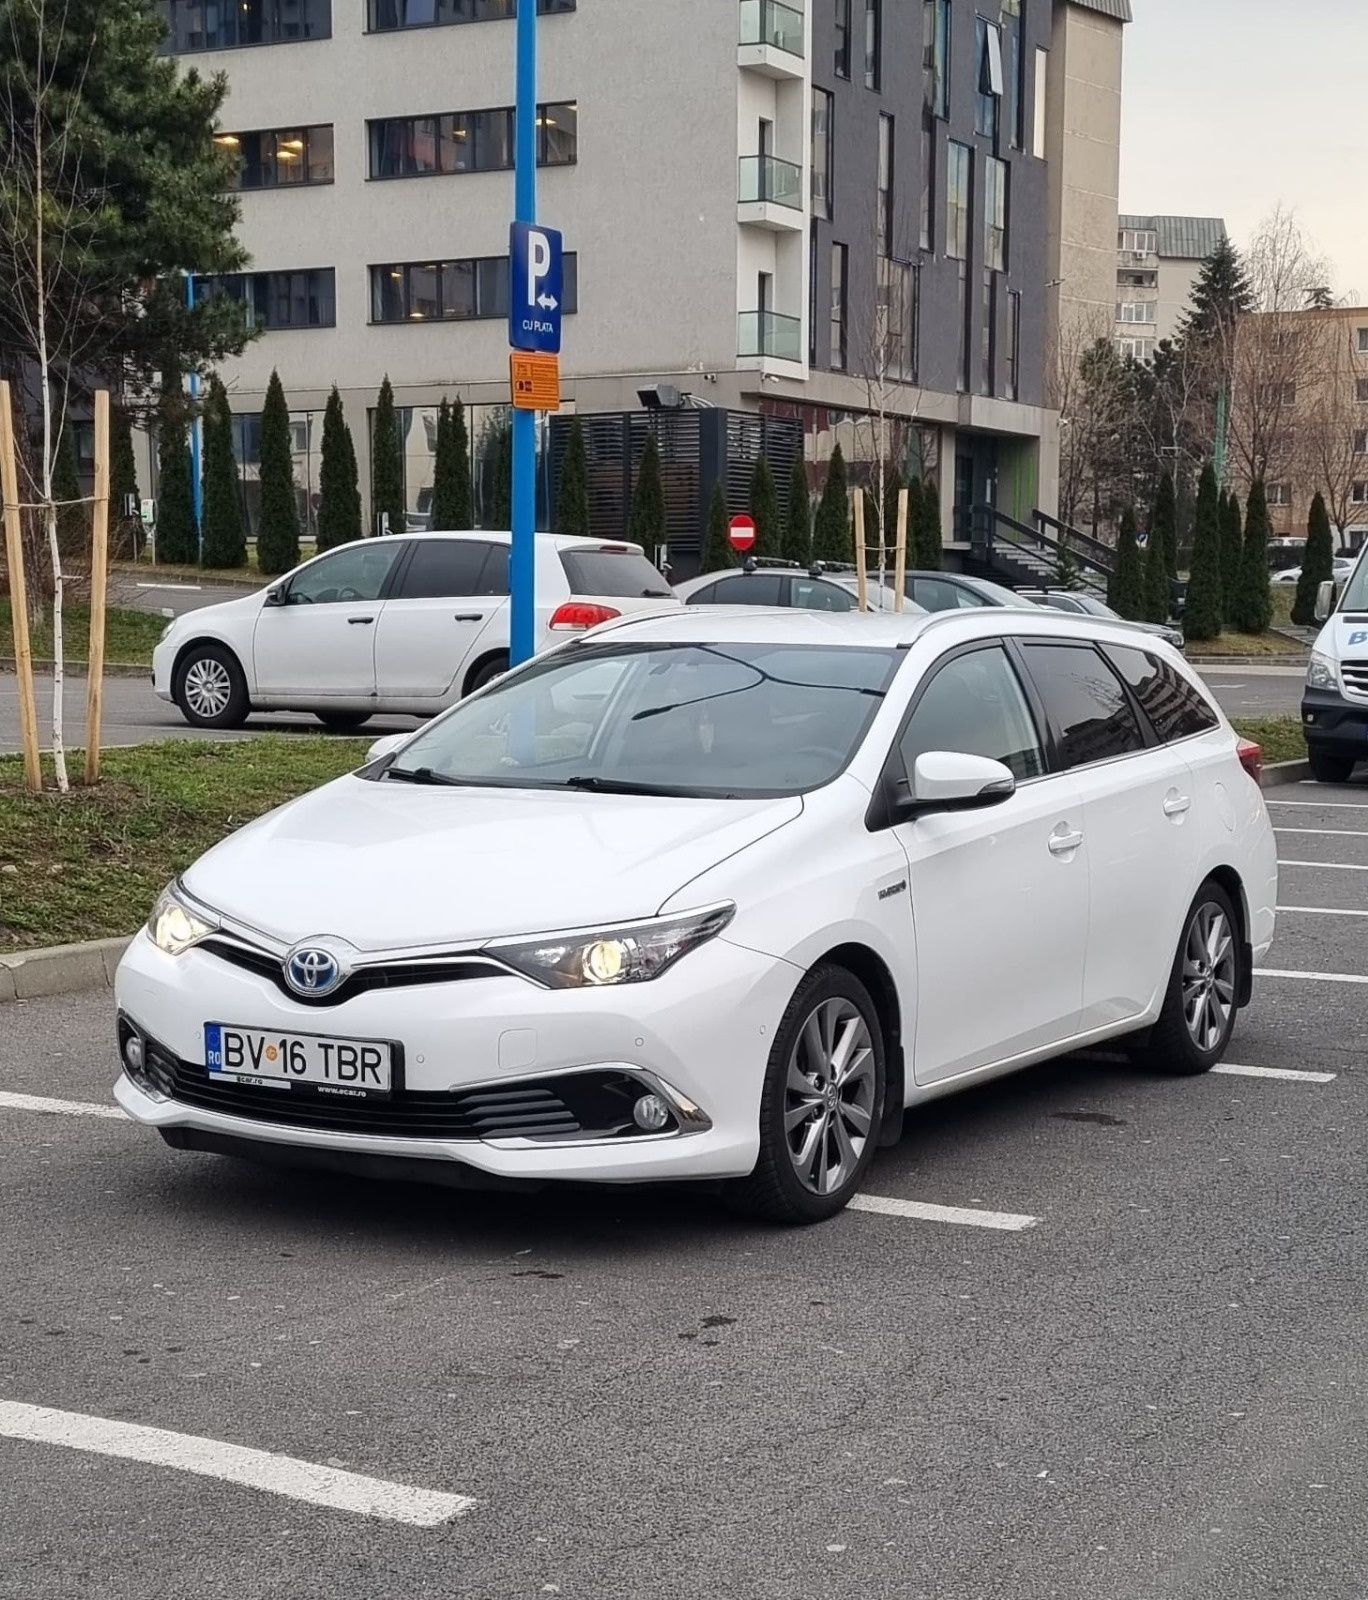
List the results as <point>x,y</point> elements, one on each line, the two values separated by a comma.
<point>1327,768</point>
<point>1198,1018</point>
<point>210,688</point>
<point>822,1103</point>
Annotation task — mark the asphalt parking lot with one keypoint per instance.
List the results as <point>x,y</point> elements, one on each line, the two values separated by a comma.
<point>1093,1334</point>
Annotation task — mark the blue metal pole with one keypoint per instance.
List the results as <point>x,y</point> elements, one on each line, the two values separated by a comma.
<point>196,478</point>
<point>522,565</point>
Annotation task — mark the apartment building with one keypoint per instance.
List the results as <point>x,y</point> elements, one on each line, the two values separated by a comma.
<point>838,211</point>
<point>1158,260</point>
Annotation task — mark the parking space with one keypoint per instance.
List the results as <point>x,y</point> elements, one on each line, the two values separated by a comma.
<point>1091,1332</point>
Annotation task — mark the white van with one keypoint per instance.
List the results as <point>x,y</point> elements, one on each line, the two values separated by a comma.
<point>1335,701</point>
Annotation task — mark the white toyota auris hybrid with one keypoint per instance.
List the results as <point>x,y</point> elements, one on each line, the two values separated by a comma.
<point>714,895</point>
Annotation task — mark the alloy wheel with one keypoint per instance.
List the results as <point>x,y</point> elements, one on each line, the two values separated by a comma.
<point>829,1096</point>
<point>1208,976</point>
<point>207,687</point>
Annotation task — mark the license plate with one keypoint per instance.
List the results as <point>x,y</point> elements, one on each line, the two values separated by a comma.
<point>351,1068</point>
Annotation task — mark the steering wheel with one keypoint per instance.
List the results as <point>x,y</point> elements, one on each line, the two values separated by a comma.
<point>348,594</point>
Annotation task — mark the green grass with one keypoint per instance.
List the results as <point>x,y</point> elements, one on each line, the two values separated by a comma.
<point>89,864</point>
<point>1245,644</point>
<point>1281,737</point>
<point>247,574</point>
<point>129,635</point>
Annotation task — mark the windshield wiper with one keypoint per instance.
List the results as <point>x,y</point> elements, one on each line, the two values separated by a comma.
<point>657,594</point>
<point>424,775</point>
<point>596,785</point>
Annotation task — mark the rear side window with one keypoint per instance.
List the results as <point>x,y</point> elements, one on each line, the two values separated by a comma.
<point>620,574</point>
<point>706,596</point>
<point>1093,718</point>
<point>934,594</point>
<point>811,594</point>
<point>748,589</point>
<point>444,569</point>
<point>1174,707</point>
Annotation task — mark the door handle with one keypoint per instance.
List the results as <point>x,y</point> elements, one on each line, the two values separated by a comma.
<point>467,616</point>
<point>360,622</point>
<point>1177,805</point>
<point>1066,842</point>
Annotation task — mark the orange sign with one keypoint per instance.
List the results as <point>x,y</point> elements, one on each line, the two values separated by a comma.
<point>536,381</point>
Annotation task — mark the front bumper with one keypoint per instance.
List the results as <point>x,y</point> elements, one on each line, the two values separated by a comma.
<point>703,1030</point>
<point>1334,723</point>
<point>163,660</point>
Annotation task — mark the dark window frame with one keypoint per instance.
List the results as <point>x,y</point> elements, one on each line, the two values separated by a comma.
<point>306,131</point>
<point>483,271</point>
<point>840,316</point>
<point>260,293</point>
<point>378,132</point>
<point>507,12</point>
<point>168,9</point>
<point>825,207</point>
<point>842,22</point>
<point>873,45</point>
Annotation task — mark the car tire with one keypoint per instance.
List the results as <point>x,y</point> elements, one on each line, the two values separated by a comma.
<point>486,672</point>
<point>811,1165</point>
<point>1327,768</point>
<point>1202,999</point>
<point>343,721</point>
<point>210,689</point>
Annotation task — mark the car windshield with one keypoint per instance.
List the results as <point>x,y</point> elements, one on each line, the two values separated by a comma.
<point>733,720</point>
<point>1356,590</point>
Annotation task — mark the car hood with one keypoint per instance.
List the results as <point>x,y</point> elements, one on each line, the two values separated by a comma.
<point>388,865</point>
<point>207,618</point>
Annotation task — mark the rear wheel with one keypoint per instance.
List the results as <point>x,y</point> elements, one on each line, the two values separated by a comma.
<point>1194,1028</point>
<point>210,688</point>
<point>1327,768</point>
<point>343,721</point>
<point>822,1103</point>
<point>486,672</point>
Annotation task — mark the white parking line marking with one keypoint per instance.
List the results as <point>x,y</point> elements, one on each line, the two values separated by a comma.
<point>1310,977</point>
<point>1328,833</point>
<point>1329,866</point>
<point>73,1108</point>
<point>1290,1073</point>
<point>1322,805</point>
<point>254,1469</point>
<point>920,1211</point>
<point>1323,911</point>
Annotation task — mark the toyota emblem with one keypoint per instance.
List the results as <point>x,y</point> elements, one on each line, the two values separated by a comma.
<point>312,971</point>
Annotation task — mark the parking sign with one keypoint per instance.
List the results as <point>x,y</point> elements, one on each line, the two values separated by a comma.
<point>536,288</point>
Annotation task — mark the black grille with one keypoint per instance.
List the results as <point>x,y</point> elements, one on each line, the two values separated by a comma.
<point>393,975</point>
<point>582,1105</point>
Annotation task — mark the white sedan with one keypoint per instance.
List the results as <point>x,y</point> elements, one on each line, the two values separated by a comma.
<point>1343,569</point>
<point>401,626</point>
<point>714,895</point>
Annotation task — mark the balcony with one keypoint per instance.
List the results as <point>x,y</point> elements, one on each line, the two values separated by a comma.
<point>770,194</point>
<point>764,336</point>
<point>772,40</point>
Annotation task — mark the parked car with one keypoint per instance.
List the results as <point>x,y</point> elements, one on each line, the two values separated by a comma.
<point>1088,605</point>
<point>1335,700</point>
<point>956,591</point>
<point>765,585</point>
<point>1343,567</point>
<point>714,895</point>
<point>403,625</point>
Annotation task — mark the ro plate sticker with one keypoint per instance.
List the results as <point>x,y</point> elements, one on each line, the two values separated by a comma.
<point>213,1046</point>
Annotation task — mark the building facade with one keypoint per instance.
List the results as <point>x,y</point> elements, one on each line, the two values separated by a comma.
<point>1158,261</point>
<point>837,211</point>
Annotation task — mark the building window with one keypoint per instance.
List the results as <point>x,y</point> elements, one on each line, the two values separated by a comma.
<point>279,158</point>
<point>384,15</point>
<point>965,330</point>
<point>990,81</point>
<point>988,335</point>
<point>472,289</point>
<point>1011,388</point>
<point>812,297</point>
<point>995,178</point>
<point>936,56</point>
<point>1280,494</point>
<point>1363,341</point>
<point>915,330</point>
<point>1278,394</point>
<point>1136,349</point>
<point>926,236</point>
<point>1136,311</point>
<point>1042,84</point>
<point>823,150</point>
<point>839,258</point>
<point>1014,74</point>
<point>1358,494</point>
<point>884,218</point>
<point>842,8</point>
<point>873,44</point>
<point>1361,441</point>
<point>468,141</point>
<point>273,300</point>
<point>214,25</point>
<point>959,171</point>
<point>1137,241</point>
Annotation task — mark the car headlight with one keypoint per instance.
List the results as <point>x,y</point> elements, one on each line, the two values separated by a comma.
<point>1321,672</point>
<point>596,958</point>
<point>173,927</point>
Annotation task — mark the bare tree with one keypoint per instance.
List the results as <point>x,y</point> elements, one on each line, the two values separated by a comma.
<point>1330,420</point>
<point>1085,384</point>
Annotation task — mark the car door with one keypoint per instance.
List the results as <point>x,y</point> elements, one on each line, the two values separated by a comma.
<point>314,640</point>
<point>447,596</point>
<point>1141,841</point>
<point>999,896</point>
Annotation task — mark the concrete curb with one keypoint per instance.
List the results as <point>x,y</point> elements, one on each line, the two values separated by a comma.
<point>62,969</point>
<point>1281,773</point>
<point>1293,662</point>
<point>77,669</point>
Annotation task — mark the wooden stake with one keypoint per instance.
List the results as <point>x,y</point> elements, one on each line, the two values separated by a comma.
<point>99,586</point>
<point>14,552</point>
<point>900,559</point>
<point>861,575</point>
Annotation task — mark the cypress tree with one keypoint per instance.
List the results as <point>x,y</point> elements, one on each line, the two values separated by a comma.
<point>1203,615</point>
<point>126,534</point>
<point>278,528</point>
<point>831,536</point>
<point>764,508</point>
<point>572,499</point>
<point>1232,546</point>
<point>387,464</point>
<point>225,540</point>
<point>1164,522</point>
<point>72,536</point>
<point>1254,603</point>
<point>1126,591</point>
<point>932,547</point>
<point>1161,533</point>
<point>1318,564</point>
<point>894,484</point>
<point>339,494</point>
<point>177,538</point>
<point>797,537</point>
<point>1067,572</point>
<point>717,551</point>
<point>501,477</point>
<point>646,525</point>
<point>447,512</point>
<point>914,523</point>
<point>463,486</point>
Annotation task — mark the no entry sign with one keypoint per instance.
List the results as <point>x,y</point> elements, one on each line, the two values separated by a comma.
<point>741,532</point>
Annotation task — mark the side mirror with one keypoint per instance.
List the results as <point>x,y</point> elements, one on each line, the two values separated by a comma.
<point>1325,599</point>
<point>274,596</point>
<point>386,746</point>
<point>948,780</point>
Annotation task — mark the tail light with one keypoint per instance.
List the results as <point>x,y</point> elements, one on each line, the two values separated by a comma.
<point>577,615</point>
<point>1251,758</point>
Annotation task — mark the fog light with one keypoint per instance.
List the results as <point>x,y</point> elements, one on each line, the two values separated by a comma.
<point>651,1113</point>
<point>133,1054</point>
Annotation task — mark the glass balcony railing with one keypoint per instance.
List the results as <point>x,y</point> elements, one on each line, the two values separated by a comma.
<point>768,333</point>
<point>769,178</point>
<point>773,23</point>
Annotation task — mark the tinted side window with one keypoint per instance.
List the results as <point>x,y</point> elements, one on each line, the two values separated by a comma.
<point>494,574</point>
<point>611,573</point>
<point>357,573</point>
<point>706,596</point>
<point>444,569</point>
<point>1084,699</point>
<point>748,589</point>
<point>811,594</point>
<point>975,704</point>
<point>934,594</point>
<point>1174,707</point>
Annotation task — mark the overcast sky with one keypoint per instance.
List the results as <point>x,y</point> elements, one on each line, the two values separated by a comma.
<point>1233,105</point>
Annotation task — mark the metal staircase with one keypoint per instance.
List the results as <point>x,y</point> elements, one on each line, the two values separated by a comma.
<point>1028,557</point>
